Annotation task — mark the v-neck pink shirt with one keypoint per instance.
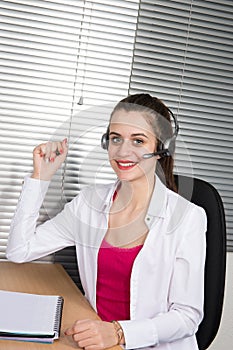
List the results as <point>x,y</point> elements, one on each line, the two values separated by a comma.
<point>113,281</point>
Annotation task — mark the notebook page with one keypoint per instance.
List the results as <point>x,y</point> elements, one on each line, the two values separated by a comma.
<point>27,313</point>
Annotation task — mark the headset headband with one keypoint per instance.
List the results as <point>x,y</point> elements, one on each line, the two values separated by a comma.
<point>166,148</point>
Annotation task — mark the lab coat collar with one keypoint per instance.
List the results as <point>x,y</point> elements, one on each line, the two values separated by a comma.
<point>157,206</point>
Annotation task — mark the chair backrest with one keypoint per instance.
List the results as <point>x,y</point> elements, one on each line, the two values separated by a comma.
<point>205,195</point>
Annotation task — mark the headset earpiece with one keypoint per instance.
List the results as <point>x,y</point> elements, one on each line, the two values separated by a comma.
<point>168,146</point>
<point>105,141</point>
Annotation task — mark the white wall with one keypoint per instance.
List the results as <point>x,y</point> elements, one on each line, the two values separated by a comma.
<point>224,338</point>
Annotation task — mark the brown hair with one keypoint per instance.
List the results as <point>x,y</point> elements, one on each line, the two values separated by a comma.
<point>153,109</point>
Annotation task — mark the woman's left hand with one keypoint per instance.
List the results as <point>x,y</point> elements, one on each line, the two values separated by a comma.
<point>93,334</point>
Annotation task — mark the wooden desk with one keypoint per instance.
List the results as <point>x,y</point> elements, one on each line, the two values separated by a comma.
<point>51,279</point>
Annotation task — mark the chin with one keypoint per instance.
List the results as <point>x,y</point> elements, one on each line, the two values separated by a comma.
<point>129,176</point>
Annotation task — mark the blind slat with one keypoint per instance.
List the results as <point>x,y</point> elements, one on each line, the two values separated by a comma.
<point>52,54</point>
<point>183,55</point>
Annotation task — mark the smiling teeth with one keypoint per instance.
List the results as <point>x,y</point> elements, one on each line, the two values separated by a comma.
<point>127,164</point>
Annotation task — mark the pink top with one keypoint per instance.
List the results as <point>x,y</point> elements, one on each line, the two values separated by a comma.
<point>113,281</point>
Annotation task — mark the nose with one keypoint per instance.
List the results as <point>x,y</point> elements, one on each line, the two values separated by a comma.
<point>124,149</point>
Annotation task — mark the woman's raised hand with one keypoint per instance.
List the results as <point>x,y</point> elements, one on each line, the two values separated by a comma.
<point>47,159</point>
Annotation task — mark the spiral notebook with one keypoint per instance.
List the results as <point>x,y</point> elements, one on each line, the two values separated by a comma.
<point>30,317</point>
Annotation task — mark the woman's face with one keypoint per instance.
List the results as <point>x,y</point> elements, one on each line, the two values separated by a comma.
<point>130,137</point>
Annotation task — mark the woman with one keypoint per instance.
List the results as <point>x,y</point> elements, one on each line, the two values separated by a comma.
<point>140,246</point>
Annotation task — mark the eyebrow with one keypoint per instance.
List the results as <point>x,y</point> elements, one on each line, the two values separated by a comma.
<point>132,135</point>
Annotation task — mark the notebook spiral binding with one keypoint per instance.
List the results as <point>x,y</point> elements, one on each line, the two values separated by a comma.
<point>58,316</point>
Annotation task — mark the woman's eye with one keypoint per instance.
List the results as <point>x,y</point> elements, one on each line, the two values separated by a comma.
<point>138,142</point>
<point>116,140</point>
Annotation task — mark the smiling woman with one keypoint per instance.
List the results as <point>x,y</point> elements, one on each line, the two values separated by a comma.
<point>137,241</point>
<point>128,143</point>
<point>157,139</point>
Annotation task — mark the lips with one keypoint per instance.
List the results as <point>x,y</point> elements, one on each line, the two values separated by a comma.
<point>125,164</point>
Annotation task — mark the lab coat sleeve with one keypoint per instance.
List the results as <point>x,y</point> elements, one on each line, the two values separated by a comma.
<point>186,292</point>
<point>27,241</point>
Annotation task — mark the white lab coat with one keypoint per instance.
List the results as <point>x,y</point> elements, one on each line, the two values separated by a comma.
<point>167,280</point>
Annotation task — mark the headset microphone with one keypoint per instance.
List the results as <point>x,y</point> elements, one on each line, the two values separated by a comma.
<point>167,149</point>
<point>162,153</point>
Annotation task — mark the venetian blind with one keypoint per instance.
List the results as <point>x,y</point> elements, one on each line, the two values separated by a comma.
<point>183,55</point>
<point>58,60</point>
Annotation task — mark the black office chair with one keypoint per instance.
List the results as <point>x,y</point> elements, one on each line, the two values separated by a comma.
<point>206,196</point>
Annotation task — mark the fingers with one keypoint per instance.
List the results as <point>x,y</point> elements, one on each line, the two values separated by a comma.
<point>47,158</point>
<point>78,327</point>
<point>93,334</point>
<point>51,150</point>
<point>83,333</point>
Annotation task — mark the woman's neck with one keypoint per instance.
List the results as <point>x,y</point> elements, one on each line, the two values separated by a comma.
<point>135,194</point>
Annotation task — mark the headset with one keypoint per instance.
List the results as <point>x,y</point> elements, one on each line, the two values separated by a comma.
<point>165,149</point>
